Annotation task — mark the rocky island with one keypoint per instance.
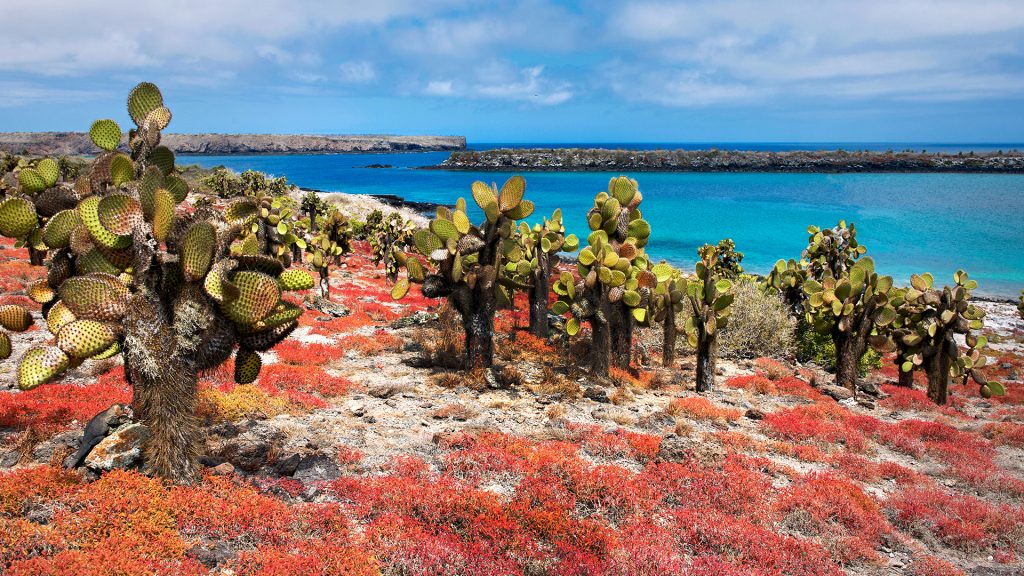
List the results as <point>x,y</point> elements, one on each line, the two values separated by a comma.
<point>79,144</point>
<point>713,160</point>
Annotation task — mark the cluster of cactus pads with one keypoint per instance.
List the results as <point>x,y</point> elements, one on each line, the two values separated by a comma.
<point>388,237</point>
<point>132,271</point>
<point>710,298</point>
<point>532,255</point>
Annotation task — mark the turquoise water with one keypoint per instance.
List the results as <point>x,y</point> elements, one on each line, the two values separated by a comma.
<point>909,222</point>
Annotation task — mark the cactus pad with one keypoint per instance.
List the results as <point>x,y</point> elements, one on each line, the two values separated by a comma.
<point>88,211</point>
<point>40,364</point>
<point>247,366</point>
<point>142,100</point>
<point>57,232</point>
<point>49,170</point>
<point>292,280</point>
<point>483,195</point>
<point>105,134</point>
<point>197,250</point>
<point>522,210</point>
<point>32,182</point>
<point>241,211</point>
<point>17,217</point>
<point>15,318</point>
<point>58,316</point>
<point>177,187</point>
<point>85,338</point>
<point>267,339</point>
<point>162,158</point>
<point>163,214</point>
<point>158,118</point>
<point>96,296</point>
<point>121,170</point>
<point>5,345</point>
<point>109,352</point>
<point>283,313</point>
<point>119,213</point>
<point>258,294</point>
<point>41,292</point>
<point>511,193</point>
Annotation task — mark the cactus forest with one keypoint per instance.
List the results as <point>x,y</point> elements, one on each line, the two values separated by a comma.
<point>224,374</point>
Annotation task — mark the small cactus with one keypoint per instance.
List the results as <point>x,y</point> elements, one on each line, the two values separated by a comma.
<point>532,256</point>
<point>928,321</point>
<point>468,261</point>
<point>710,298</point>
<point>665,303</point>
<point>326,247</point>
<point>388,237</point>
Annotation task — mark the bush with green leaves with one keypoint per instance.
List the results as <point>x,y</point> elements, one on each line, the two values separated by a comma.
<point>760,324</point>
<point>226,183</point>
<point>468,261</point>
<point>130,271</point>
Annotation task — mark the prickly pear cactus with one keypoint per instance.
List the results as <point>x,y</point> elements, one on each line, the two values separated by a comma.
<point>266,225</point>
<point>832,250</point>
<point>328,245</point>
<point>727,261</point>
<point>665,303</point>
<point>929,320</point>
<point>132,272</point>
<point>467,262</point>
<point>388,237</point>
<point>787,278</point>
<point>710,299</point>
<point>616,281</point>
<point>1020,304</point>
<point>851,308</point>
<point>14,318</point>
<point>531,255</point>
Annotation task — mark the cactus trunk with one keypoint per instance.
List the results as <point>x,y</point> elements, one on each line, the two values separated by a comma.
<point>164,393</point>
<point>707,352</point>
<point>538,295</point>
<point>937,368</point>
<point>36,257</point>
<point>477,307</point>
<point>601,335</point>
<point>621,326</point>
<point>849,349</point>
<point>668,347</point>
<point>905,379</point>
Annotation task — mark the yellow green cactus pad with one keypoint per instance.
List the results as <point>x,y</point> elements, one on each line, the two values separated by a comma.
<point>197,250</point>
<point>40,364</point>
<point>247,366</point>
<point>15,318</point>
<point>96,296</point>
<point>57,232</point>
<point>119,213</point>
<point>5,345</point>
<point>121,170</point>
<point>32,182</point>
<point>258,293</point>
<point>142,100</point>
<point>41,292</point>
<point>88,211</point>
<point>85,338</point>
<point>163,214</point>
<point>293,280</point>
<point>105,134</point>
<point>58,316</point>
<point>162,158</point>
<point>49,170</point>
<point>17,217</point>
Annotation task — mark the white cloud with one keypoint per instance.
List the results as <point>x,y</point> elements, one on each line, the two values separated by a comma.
<point>439,88</point>
<point>358,72</point>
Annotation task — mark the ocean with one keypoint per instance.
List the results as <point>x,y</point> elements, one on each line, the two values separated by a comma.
<point>910,223</point>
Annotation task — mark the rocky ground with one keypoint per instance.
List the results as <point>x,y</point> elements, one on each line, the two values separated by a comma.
<point>359,451</point>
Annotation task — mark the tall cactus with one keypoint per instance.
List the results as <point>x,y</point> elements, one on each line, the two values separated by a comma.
<point>710,298</point>
<point>665,302</point>
<point>469,261</point>
<point>616,280</point>
<point>532,256</point>
<point>931,319</point>
<point>130,272</point>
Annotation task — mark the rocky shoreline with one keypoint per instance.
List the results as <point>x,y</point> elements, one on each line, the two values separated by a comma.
<point>78,143</point>
<point>600,160</point>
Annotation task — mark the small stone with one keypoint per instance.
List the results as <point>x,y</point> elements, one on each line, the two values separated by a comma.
<point>754,414</point>
<point>384,390</point>
<point>122,449</point>
<point>223,469</point>
<point>837,392</point>
<point>317,468</point>
<point>289,465</point>
<point>597,394</point>
<point>866,404</point>
<point>357,409</point>
<point>369,420</point>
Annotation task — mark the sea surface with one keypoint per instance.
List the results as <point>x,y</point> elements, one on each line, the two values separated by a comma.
<point>909,222</point>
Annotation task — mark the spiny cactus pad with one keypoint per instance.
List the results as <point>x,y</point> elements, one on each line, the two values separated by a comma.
<point>17,217</point>
<point>5,345</point>
<point>247,366</point>
<point>106,134</point>
<point>58,316</point>
<point>197,250</point>
<point>57,232</point>
<point>258,294</point>
<point>142,100</point>
<point>293,280</point>
<point>49,170</point>
<point>119,213</point>
<point>15,318</point>
<point>163,214</point>
<point>85,338</point>
<point>162,158</point>
<point>121,170</point>
<point>32,182</point>
<point>88,211</point>
<point>40,364</point>
<point>41,292</point>
<point>96,296</point>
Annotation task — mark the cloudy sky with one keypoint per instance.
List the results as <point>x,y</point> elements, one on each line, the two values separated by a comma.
<point>533,70</point>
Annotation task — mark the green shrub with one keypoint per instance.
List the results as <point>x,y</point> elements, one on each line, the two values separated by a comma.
<point>818,349</point>
<point>760,324</point>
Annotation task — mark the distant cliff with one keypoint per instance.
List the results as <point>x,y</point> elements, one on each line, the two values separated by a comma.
<point>78,143</point>
<point>598,159</point>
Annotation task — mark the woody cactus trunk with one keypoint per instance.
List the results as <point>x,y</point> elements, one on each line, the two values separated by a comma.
<point>130,272</point>
<point>468,262</point>
<point>615,278</point>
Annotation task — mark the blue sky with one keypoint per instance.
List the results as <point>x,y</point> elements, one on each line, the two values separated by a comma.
<point>535,70</point>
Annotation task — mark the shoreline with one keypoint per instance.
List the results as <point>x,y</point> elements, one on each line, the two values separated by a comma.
<point>728,161</point>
